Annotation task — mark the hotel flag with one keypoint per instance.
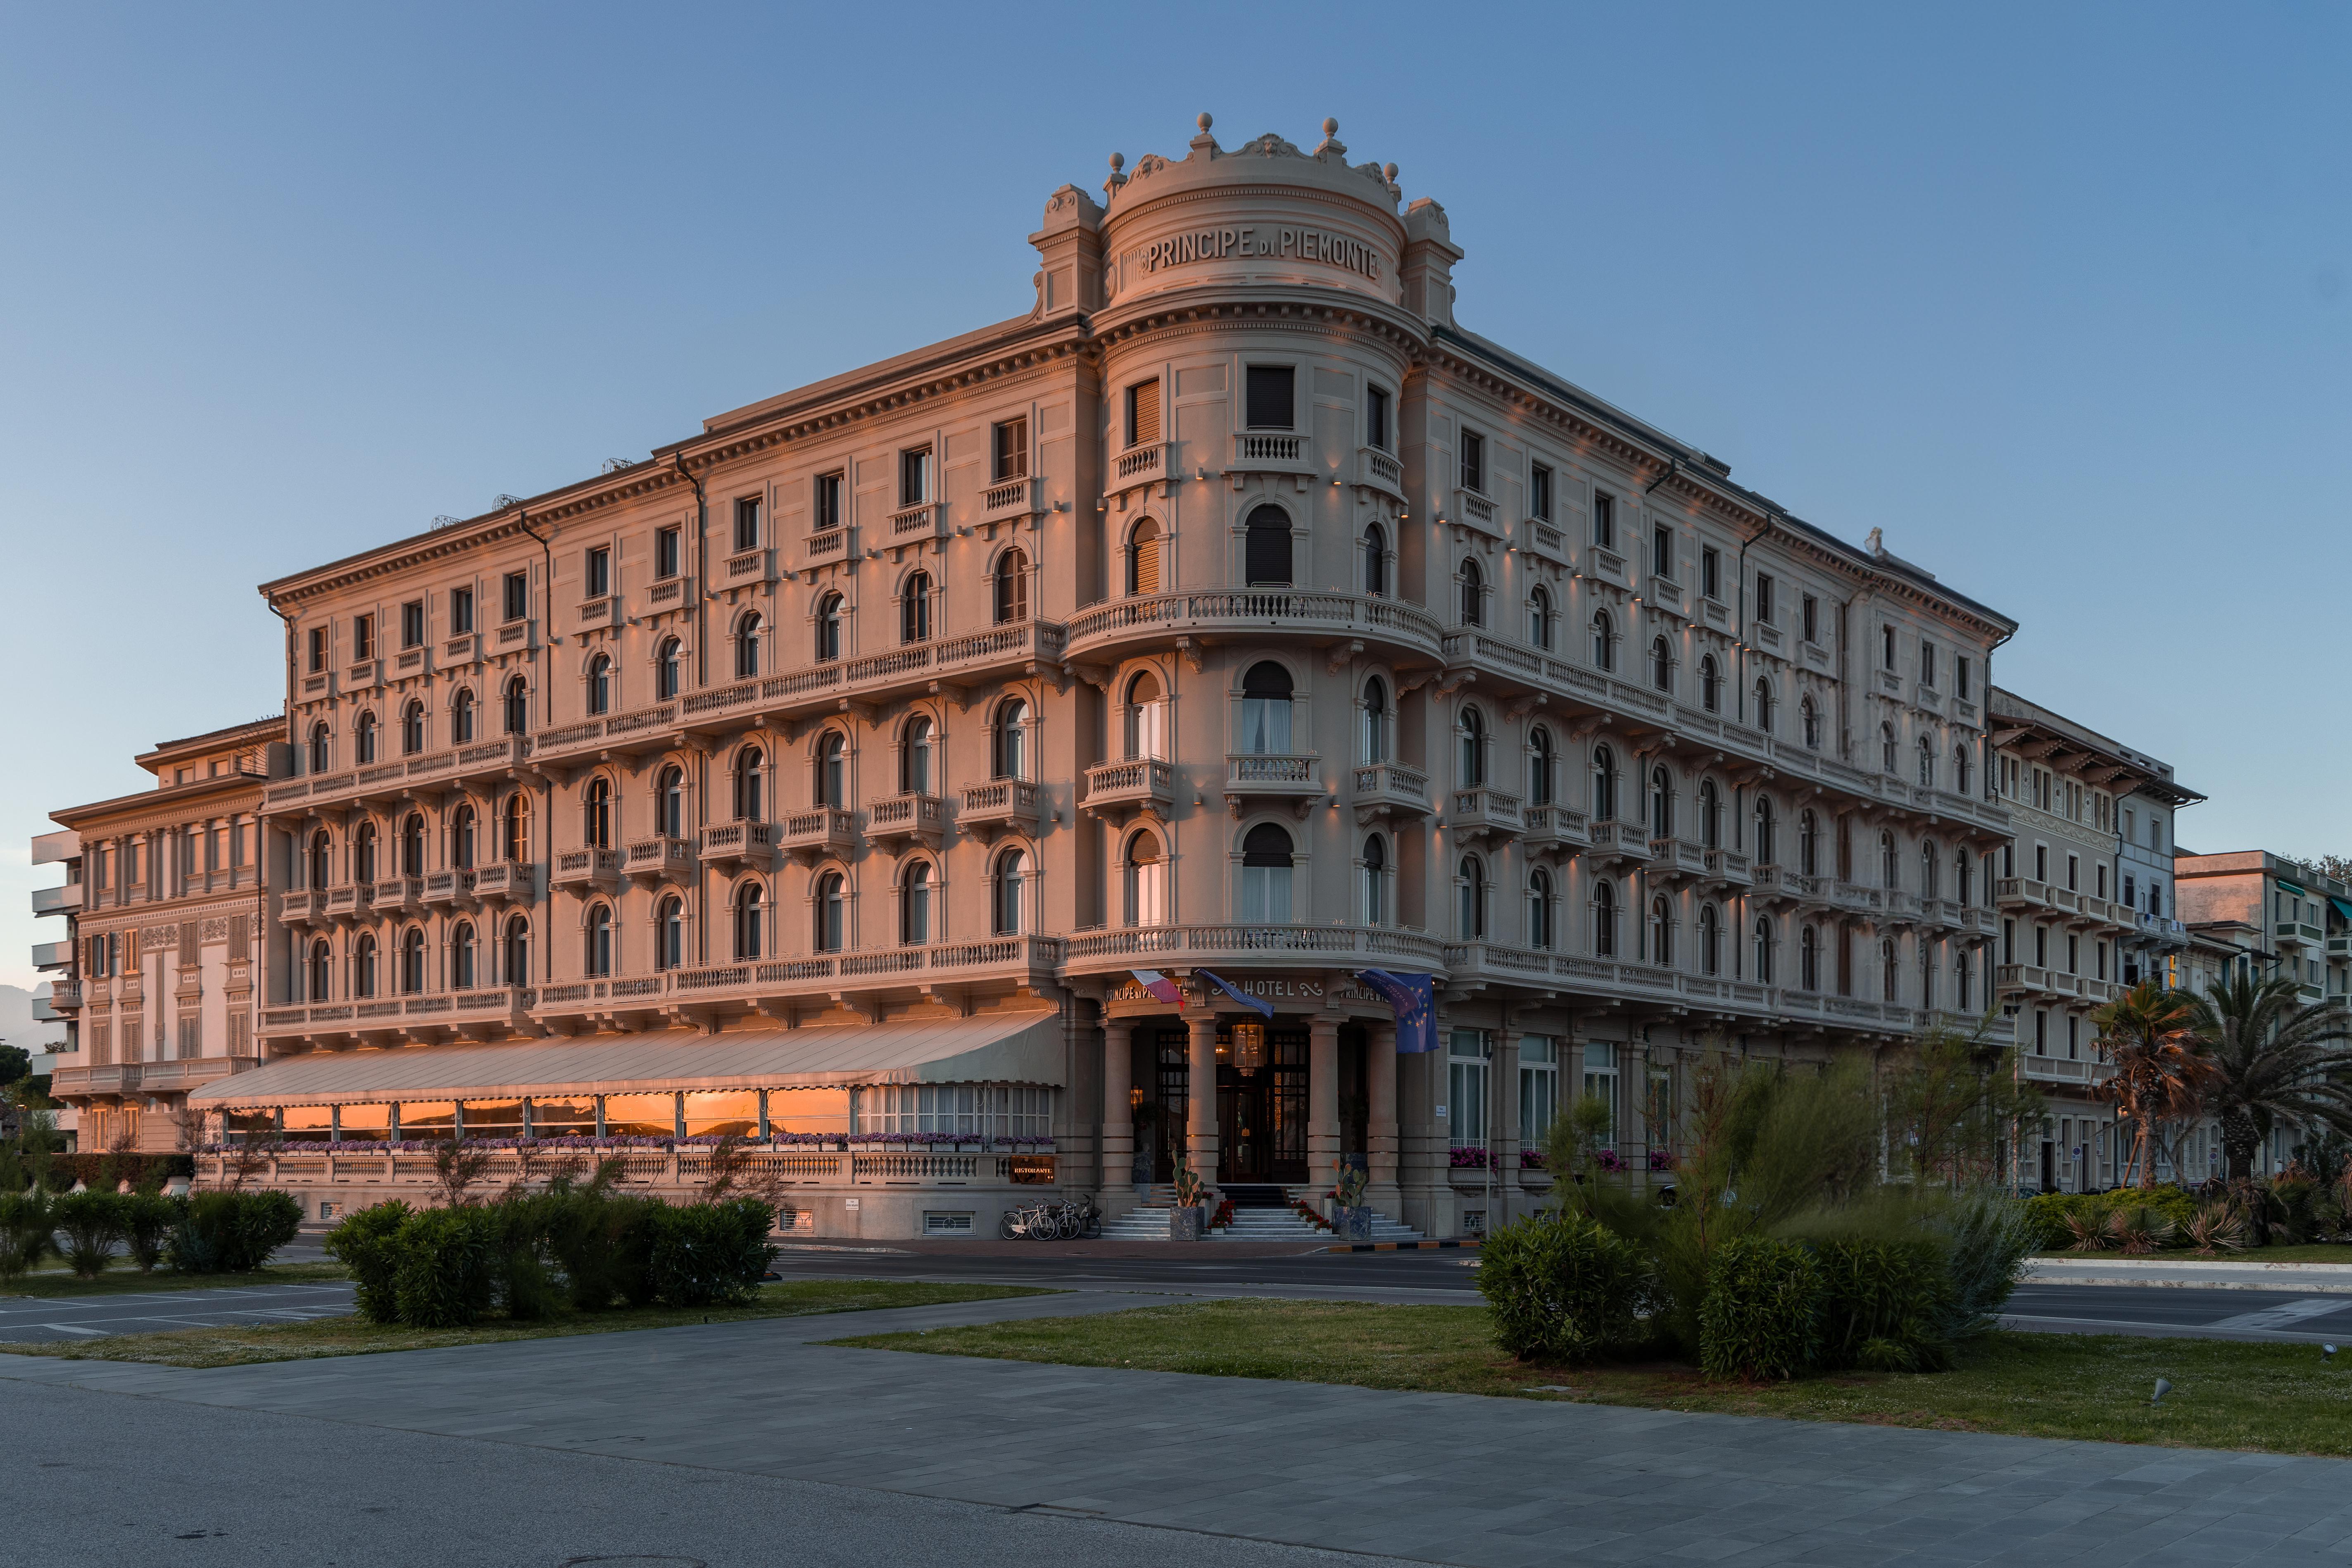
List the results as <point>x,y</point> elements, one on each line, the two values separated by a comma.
<point>1264,1009</point>
<point>1409,996</point>
<point>1160,985</point>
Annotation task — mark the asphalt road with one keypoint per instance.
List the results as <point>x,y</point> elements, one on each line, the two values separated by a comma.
<point>25,1318</point>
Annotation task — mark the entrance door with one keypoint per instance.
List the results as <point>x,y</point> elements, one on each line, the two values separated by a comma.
<point>1262,1110</point>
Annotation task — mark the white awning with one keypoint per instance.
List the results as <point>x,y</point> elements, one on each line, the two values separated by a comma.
<point>1009,1047</point>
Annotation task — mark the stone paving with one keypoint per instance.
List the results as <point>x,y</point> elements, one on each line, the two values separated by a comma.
<point>1443,1478</point>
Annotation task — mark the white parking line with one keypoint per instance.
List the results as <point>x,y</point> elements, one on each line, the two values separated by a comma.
<point>69,1329</point>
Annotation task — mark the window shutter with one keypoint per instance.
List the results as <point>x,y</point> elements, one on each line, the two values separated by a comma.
<point>1147,566</point>
<point>190,930</point>
<point>1143,414</point>
<point>239,936</point>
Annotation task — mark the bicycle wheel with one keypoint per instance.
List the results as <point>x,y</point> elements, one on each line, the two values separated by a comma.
<point>1068,1225</point>
<point>1005,1228</point>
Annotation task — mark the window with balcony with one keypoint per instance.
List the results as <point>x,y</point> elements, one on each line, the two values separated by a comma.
<point>1930,869</point>
<point>1765,608</point>
<point>1144,890</point>
<point>915,756</point>
<point>1890,865</point>
<point>1265,709</point>
<point>832,770</point>
<point>1470,898</point>
<point>601,684</point>
<point>1372,867</point>
<point>1012,588</point>
<point>321,748</point>
<point>824,503</point>
<point>1377,430</point>
<point>363,965</point>
<point>1810,614</point>
<point>1374,555</point>
<point>1767,827</point>
<point>319,869</point>
<point>515,597</point>
<point>1144,427</point>
<point>1926,664</point>
<point>1710,939</point>
<point>1809,721</point>
<point>411,728</point>
<point>1010,899</point>
<point>669,933</point>
<point>1661,551</point>
<point>747,527</point>
<point>318,983</point>
<point>1266,548</point>
<point>1270,398</point>
<point>598,941</point>
<point>1960,769</point>
<point>1710,813</point>
<point>1471,586</point>
<point>1540,617</point>
<point>411,623</point>
<point>461,716</point>
<point>362,636</point>
<point>1010,441</point>
<point>1887,748</point>
<point>828,633</point>
<point>749,922</point>
<point>1809,959</point>
<point>318,660</point>
<point>1762,718</point>
<point>516,705</point>
<point>1604,641</point>
<point>1926,762</point>
<point>1542,766</point>
<point>517,842</point>
<point>461,837</point>
<point>1143,549</point>
<point>1662,663</point>
<point>412,961</point>
<point>669,804</point>
<point>1470,739</point>
<point>1710,684</point>
<point>669,661</point>
<point>1375,706</point>
<point>1661,804</point>
<point>517,954</point>
<point>1010,745</point>
<point>411,845</point>
<point>1661,933</point>
<point>1144,718</point>
<point>596,814</point>
<point>667,555</point>
<point>750,794</point>
<point>596,573</point>
<point>915,476</point>
<point>1604,520</point>
<point>915,609</point>
<point>1604,918</point>
<point>1474,463</point>
<point>915,905</point>
<point>364,738</point>
<point>1604,784</point>
<point>1267,872</point>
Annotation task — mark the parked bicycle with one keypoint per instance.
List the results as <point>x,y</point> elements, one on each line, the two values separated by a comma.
<point>1067,1221</point>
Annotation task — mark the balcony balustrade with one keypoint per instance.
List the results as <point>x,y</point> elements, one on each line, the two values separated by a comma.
<point>1483,811</point>
<point>1112,951</point>
<point>1785,885</point>
<point>1542,538</point>
<point>1389,789</point>
<point>449,768</point>
<point>1165,619</point>
<point>1553,830</point>
<point>748,569</point>
<point>1380,471</point>
<point>306,906</point>
<point>1292,778</point>
<point>454,885</point>
<point>809,837</point>
<point>914,524</point>
<point>1004,805</point>
<point>829,548</point>
<point>657,859</point>
<point>1729,870</point>
<point>1619,843</point>
<point>1679,858</point>
<point>507,879</point>
<point>588,868</point>
<point>1473,511</point>
<point>62,901</point>
<point>1117,791</point>
<point>1013,498</point>
<point>740,844</point>
<point>900,819</point>
<point>1266,453</point>
<point>670,594</point>
<point>352,901</point>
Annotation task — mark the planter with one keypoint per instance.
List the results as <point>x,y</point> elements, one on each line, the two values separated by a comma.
<point>1185,1223</point>
<point>1351,1223</point>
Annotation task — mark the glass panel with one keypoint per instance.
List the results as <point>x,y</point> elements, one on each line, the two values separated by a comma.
<point>803,1110</point>
<point>428,1120</point>
<point>709,1115</point>
<point>494,1119</point>
<point>562,1118</point>
<point>306,1124</point>
<point>640,1115</point>
<point>364,1123</point>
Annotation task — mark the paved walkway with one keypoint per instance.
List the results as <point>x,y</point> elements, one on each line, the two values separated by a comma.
<point>1443,1478</point>
<point>2211,1274</point>
<point>40,1317</point>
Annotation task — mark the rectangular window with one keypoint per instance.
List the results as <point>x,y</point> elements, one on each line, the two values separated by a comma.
<point>1710,572</point>
<point>915,477</point>
<point>362,636</point>
<point>461,611</point>
<point>747,522</point>
<point>599,573</point>
<point>2040,1033</point>
<point>518,595</point>
<point>2073,873</point>
<point>1013,450</point>
<point>1540,494</point>
<point>2041,862</point>
<point>666,551</point>
<point>1886,647</point>
<point>1764,598</point>
<point>2042,946</point>
<point>1812,618</point>
<point>1661,551</point>
<point>1376,418</point>
<point>1467,1088</point>
<point>318,649</point>
<point>411,623</point>
<point>1272,398</point>
<point>1474,462</point>
<point>1538,1088</point>
<point>1604,520</point>
<point>1601,1083</point>
<point>824,506</point>
<point>1143,412</point>
<point>1927,664</point>
<point>1961,676</point>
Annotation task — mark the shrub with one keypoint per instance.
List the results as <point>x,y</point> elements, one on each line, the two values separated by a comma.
<point>148,1221</point>
<point>26,1231</point>
<point>2217,1226</point>
<point>1885,1305</point>
<point>1560,1287</point>
<point>2139,1228</point>
<point>603,1244</point>
<point>1990,1236</point>
<point>1760,1316</point>
<point>103,1172</point>
<point>93,1222</point>
<point>709,1254</point>
<point>367,1243</point>
<point>232,1233</point>
<point>2052,1210</point>
<point>446,1276</point>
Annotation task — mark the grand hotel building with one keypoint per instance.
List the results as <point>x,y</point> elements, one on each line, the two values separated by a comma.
<point>1231,608</point>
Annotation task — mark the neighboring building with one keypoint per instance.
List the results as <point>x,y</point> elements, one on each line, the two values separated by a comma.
<point>156,974</point>
<point>1233,609</point>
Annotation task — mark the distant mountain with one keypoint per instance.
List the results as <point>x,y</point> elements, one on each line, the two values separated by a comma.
<point>16,1025</point>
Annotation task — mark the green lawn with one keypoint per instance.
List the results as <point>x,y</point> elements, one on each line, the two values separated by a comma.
<point>240,1346</point>
<point>2276,1398</point>
<point>123,1279</point>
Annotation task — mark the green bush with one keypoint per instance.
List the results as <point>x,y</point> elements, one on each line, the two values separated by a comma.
<point>2050,1210</point>
<point>1885,1305</point>
<point>232,1233</point>
<point>149,1219</point>
<point>27,1227</point>
<point>92,1224</point>
<point>103,1172</point>
<point>710,1255</point>
<point>1991,1236</point>
<point>1560,1287</point>
<point>604,1244</point>
<point>1762,1315</point>
<point>367,1243</point>
<point>447,1274</point>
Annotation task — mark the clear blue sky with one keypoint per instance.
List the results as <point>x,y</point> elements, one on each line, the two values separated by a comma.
<point>2055,295</point>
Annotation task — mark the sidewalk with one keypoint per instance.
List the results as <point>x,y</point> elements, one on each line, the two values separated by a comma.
<point>2209,1274</point>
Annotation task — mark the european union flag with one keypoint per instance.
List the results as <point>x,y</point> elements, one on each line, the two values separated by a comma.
<point>1413,1001</point>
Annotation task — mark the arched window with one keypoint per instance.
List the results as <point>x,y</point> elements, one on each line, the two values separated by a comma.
<point>751,785</point>
<point>516,704</point>
<point>1661,933</point>
<point>1266,876</point>
<point>1542,766</point>
<point>411,728</point>
<point>1145,718</point>
<point>1376,720</point>
<point>363,868</point>
<point>1012,744</point>
<point>1266,710</point>
<point>517,844</point>
<point>1012,588</point>
<point>463,974</point>
<point>831,911</point>
<point>1539,617</point>
<point>1930,869</point>
<point>1710,684</point>
<point>669,933</point>
<point>1008,901</point>
<point>322,751</point>
<point>411,845</point>
<point>1809,842</point>
<point>1887,748</point>
<point>1470,893</point>
<point>1661,804</point>
<point>600,684</point>
<point>318,983</point>
<point>1143,546</point>
<point>832,771</point>
<point>828,627</point>
<point>1710,815</point>
<point>915,756</point>
<point>596,814</point>
<point>1960,769</point>
<point>1604,920</point>
<point>461,717</point>
<point>1376,561</point>
<point>1539,909</point>
<point>1809,960</point>
<point>665,669</point>
<point>1604,641</point>
<point>751,921</point>
<point>670,802</point>
<point>599,941</point>
<point>1710,939</point>
<point>1767,832</point>
<point>322,860</point>
<point>1145,896</point>
<point>915,609</point>
<point>1808,719</point>
<point>1763,956</point>
<point>915,905</point>
<point>363,965</point>
<point>1662,663</point>
<point>1375,865</point>
<point>1764,704</point>
<point>1470,739</point>
<point>518,951</point>
<point>363,739</point>
<point>1963,875</point>
<point>1964,975</point>
<point>1266,550</point>
<point>1888,969</point>
<point>412,961</point>
<point>1926,762</point>
<point>1890,866</point>
<point>1472,595</point>
<point>1604,784</point>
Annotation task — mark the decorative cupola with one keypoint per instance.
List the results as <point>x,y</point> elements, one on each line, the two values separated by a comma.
<point>1069,250</point>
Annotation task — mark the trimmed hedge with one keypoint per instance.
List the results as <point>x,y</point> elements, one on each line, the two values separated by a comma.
<point>367,1243</point>
<point>1562,1288</point>
<point>231,1233</point>
<point>1761,1316</point>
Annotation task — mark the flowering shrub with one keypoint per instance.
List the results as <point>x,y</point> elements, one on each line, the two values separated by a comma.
<point>1609,1160</point>
<point>1662,1160</point>
<point>1309,1213</point>
<point>1532,1160</point>
<point>1224,1215</point>
<point>1469,1159</point>
<point>609,1144</point>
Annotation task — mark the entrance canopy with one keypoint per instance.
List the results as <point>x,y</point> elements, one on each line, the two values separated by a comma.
<point>1015,1048</point>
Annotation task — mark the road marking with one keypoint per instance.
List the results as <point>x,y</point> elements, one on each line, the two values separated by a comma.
<point>69,1329</point>
<point>2285,1313</point>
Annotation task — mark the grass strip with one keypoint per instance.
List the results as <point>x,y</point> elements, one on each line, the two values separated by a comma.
<point>2334,1252</point>
<point>2268,1399</point>
<point>127,1281</point>
<point>236,1345</point>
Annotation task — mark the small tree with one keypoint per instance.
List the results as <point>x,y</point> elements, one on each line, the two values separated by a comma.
<point>2159,1076</point>
<point>2270,1058</point>
<point>458,1169</point>
<point>1949,1107</point>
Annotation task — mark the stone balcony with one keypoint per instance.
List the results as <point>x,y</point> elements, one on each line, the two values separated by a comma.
<point>1021,496</point>
<point>809,837</point>
<point>1244,946</point>
<point>146,1077</point>
<point>915,524</point>
<point>1679,858</point>
<point>900,819</point>
<point>1293,779</point>
<point>1183,620</point>
<point>584,870</point>
<point>1783,885</point>
<point>306,906</point>
<point>1379,470</point>
<point>661,858</point>
<point>1553,830</point>
<point>1003,805</point>
<point>829,547</point>
<point>433,770</point>
<point>740,844</point>
<point>1618,844</point>
<point>454,885</point>
<point>1485,811</point>
<point>1728,869</point>
<point>1389,789</point>
<point>1117,791</point>
<point>352,901</point>
<point>2038,982</point>
<point>505,879</point>
<point>404,894</point>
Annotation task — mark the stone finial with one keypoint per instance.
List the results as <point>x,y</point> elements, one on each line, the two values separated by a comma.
<point>1205,144</point>
<point>1111,185</point>
<point>1333,147</point>
<point>1205,121</point>
<point>1330,126</point>
<point>1118,161</point>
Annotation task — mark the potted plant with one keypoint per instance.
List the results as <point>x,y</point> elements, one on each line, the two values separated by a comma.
<point>1349,1218</point>
<point>1185,1221</point>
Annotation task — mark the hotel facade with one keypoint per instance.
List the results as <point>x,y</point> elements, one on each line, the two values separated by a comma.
<point>827,776</point>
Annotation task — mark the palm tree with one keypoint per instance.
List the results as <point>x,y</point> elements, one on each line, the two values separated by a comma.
<point>2272,1059</point>
<point>2149,1033</point>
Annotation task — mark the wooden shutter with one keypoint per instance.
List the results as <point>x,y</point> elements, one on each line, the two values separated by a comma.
<point>1143,413</point>
<point>239,936</point>
<point>190,931</point>
<point>1147,564</point>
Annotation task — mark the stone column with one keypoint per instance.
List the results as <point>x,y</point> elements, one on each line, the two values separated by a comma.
<point>1503,1146</point>
<point>1118,1193</point>
<point>1200,1126</point>
<point>1323,1136</point>
<point>1380,1129</point>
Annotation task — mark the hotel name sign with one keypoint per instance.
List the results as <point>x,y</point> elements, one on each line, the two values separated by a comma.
<point>1276,989</point>
<point>1280,242</point>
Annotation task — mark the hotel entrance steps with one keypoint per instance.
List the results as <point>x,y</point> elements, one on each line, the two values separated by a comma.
<point>1260,1214</point>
